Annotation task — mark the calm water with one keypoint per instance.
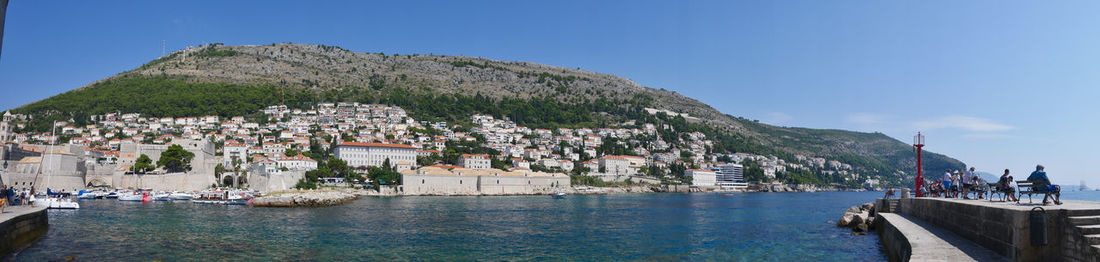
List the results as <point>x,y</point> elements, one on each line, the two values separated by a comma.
<point>742,227</point>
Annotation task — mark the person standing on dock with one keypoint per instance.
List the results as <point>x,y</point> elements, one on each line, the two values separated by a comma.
<point>956,183</point>
<point>947,184</point>
<point>1039,176</point>
<point>967,176</point>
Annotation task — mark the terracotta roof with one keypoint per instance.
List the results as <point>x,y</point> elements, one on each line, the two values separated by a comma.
<point>376,145</point>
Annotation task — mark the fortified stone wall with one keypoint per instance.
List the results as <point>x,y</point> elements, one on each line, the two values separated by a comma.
<point>439,184</point>
<point>40,181</point>
<point>167,182</point>
<point>414,184</point>
<point>269,183</point>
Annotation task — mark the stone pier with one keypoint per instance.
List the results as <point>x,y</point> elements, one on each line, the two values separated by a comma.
<point>20,226</point>
<point>922,229</point>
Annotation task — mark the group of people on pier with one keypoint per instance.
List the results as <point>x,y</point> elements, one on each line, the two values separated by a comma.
<point>954,184</point>
<point>10,197</point>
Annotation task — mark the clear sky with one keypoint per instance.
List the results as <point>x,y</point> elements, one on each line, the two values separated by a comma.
<point>996,84</point>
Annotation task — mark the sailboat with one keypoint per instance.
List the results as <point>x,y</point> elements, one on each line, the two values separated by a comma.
<point>54,201</point>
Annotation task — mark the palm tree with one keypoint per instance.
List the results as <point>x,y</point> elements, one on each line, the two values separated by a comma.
<point>236,172</point>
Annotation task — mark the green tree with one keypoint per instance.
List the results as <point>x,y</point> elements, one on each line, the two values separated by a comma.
<point>384,175</point>
<point>143,164</point>
<point>495,162</point>
<point>291,152</point>
<point>176,159</point>
<point>218,171</point>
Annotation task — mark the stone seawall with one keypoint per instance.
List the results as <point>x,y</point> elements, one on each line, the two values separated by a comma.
<point>1005,228</point>
<point>20,226</point>
<point>894,241</point>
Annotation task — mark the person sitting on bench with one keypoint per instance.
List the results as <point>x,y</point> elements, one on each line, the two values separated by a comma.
<point>1005,186</point>
<point>1039,177</point>
<point>977,185</point>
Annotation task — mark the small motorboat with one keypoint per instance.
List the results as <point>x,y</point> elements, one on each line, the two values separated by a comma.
<point>181,196</point>
<point>162,197</point>
<point>558,195</point>
<point>143,197</point>
<point>112,195</point>
<point>223,198</point>
<point>86,195</point>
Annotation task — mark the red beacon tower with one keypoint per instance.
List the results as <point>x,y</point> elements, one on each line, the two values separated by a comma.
<point>918,143</point>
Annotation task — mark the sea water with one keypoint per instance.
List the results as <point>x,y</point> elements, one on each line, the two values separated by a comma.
<point>655,226</point>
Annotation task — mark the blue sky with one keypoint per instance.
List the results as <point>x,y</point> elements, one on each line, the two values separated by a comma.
<point>996,84</point>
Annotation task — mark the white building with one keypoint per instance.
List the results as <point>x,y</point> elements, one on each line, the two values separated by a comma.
<point>618,165</point>
<point>234,150</point>
<point>730,176</point>
<point>374,154</point>
<point>299,162</point>
<point>700,177</point>
<point>474,161</point>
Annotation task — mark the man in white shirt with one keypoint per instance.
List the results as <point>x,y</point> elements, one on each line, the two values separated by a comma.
<point>947,183</point>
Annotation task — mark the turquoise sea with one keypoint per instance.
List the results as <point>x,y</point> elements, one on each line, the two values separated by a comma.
<point>658,226</point>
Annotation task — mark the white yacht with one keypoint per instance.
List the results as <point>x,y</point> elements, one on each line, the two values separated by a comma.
<point>181,196</point>
<point>57,203</point>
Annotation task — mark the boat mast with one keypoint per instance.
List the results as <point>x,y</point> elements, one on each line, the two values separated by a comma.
<point>53,133</point>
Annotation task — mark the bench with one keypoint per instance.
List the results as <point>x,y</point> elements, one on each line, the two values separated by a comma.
<point>1028,187</point>
<point>993,190</point>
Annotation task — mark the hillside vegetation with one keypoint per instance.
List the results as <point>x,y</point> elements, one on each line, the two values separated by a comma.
<point>240,80</point>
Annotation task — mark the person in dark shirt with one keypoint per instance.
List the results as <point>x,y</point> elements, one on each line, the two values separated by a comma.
<point>1005,185</point>
<point>1039,177</point>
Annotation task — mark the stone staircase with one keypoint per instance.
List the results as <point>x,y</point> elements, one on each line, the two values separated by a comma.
<point>890,205</point>
<point>1088,223</point>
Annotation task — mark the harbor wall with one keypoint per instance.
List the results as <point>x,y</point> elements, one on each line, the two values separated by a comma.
<point>39,181</point>
<point>1005,231</point>
<point>274,182</point>
<point>167,182</point>
<point>428,184</point>
<point>439,185</point>
<point>21,229</point>
<point>894,241</point>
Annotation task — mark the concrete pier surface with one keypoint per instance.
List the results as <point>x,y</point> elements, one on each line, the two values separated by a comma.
<point>20,226</point>
<point>912,228</point>
<point>929,243</point>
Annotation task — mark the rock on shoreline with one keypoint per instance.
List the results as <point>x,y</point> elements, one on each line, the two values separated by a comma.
<point>858,218</point>
<point>304,199</point>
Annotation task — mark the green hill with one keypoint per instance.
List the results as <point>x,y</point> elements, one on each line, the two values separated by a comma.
<point>240,80</point>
